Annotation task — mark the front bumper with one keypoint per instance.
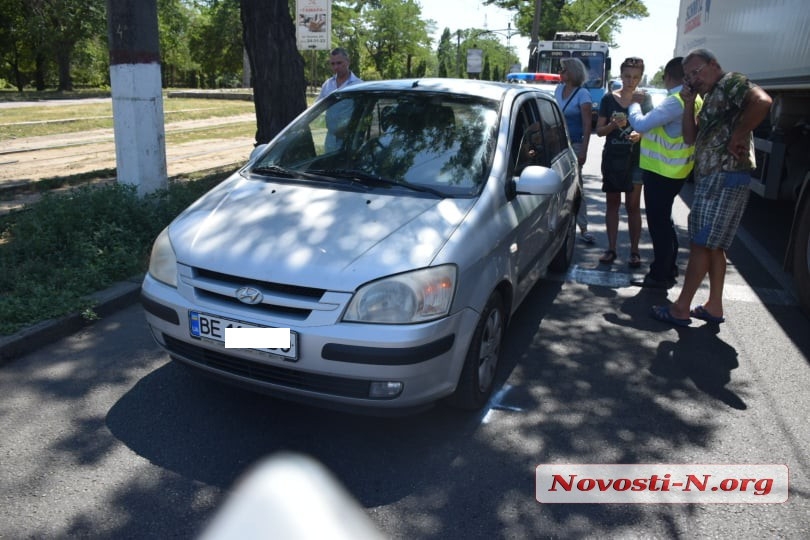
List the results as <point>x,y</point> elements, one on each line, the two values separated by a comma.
<point>349,365</point>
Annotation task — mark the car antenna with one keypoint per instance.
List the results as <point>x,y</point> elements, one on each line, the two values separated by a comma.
<point>415,84</point>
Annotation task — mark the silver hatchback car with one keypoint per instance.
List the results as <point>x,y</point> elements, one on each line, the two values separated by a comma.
<point>393,227</point>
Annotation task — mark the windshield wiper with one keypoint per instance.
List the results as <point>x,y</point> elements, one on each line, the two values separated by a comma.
<point>365,177</point>
<point>275,170</point>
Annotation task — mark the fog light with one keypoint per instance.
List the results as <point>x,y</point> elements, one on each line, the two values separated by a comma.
<point>385,389</point>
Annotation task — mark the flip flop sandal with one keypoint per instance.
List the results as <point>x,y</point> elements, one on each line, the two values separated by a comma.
<point>608,257</point>
<point>662,313</point>
<point>635,260</point>
<point>700,312</point>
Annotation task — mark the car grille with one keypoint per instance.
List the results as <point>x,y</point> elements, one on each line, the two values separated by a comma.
<point>256,371</point>
<point>280,300</point>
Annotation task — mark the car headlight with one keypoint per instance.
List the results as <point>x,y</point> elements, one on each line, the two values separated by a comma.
<point>413,297</point>
<point>162,261</point>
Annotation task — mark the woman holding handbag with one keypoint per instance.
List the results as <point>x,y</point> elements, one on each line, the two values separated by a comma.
<point>575,103</point>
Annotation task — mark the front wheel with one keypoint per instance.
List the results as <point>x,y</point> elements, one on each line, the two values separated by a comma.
<point>478,374</point>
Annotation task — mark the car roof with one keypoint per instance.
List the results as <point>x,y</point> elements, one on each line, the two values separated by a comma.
<point>486,89</point>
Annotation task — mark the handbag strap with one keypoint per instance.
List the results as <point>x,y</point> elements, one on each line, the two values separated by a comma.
<point>571,97</point>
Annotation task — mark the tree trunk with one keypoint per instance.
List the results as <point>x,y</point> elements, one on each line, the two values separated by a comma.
<point>279,85</point>
<point>63,54</point>
<point>39,72</point>
<point>19,79</point>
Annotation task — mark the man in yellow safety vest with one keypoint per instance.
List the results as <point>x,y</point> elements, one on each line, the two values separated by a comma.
<point>666,162</point>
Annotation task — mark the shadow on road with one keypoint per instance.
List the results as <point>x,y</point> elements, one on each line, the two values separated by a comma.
<point>580,393</point>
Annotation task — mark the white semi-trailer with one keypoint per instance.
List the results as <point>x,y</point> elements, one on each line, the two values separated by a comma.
<point>769,41</point>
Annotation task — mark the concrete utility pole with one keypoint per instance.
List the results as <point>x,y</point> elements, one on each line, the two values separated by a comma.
<point>535,37</point>
<point>140,140</point>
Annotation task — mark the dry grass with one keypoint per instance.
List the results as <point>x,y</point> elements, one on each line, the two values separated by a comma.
<point>38,120</point>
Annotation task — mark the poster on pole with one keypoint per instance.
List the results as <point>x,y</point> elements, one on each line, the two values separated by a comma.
<point>313,24</point>
<point>475,61</point>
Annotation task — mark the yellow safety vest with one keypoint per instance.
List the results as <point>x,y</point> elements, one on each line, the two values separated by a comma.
<point>668,156</point>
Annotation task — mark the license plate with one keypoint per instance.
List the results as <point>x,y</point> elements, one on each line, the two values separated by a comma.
<point>212,327</point>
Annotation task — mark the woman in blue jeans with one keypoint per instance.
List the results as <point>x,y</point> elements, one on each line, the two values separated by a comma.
<point>575,102</point>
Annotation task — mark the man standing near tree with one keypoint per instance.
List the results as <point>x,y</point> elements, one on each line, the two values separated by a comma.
<point>338,114</point>
<point>343,76</point>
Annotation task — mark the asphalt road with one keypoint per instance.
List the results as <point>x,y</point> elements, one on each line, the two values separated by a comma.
<point>104,437</point>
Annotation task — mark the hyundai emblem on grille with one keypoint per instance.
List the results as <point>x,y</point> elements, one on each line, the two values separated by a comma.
<point>249,295</point>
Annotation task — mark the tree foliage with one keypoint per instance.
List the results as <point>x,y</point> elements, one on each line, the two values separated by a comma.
<point>446,54</point>
<point>40,38</point>
<point>393,36</point>
<point>48,43</point>
<point>176,22</point>
<point>496,56</point>
<point>573,16</point>
<point>68,23</point>
<point>17,57</point>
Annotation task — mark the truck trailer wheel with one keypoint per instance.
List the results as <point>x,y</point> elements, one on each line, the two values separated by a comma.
<point>801,256</point>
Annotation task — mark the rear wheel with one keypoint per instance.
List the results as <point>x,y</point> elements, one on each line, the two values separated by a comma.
<point>478,375</point>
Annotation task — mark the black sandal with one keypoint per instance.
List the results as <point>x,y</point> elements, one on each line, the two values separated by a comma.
<point>635,260</point>
<point>608,257</point>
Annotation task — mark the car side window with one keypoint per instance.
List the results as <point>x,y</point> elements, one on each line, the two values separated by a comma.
<point>553,129</point>
<point>528,144</point>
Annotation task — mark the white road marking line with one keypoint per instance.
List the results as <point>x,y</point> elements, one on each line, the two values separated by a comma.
<point>495,403</point>
<point>623,280</point>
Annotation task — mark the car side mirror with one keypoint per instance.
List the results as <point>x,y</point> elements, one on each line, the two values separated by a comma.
<point>256,152</point>
<point>538,180</point>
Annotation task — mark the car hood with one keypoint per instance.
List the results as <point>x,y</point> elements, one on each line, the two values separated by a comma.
<point>311,236</point>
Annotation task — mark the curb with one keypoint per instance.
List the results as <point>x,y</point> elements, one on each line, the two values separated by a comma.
<point>244,95</point>
<point>120,295</point>
<point>15,186</point>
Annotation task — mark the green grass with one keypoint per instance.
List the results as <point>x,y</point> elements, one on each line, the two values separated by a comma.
<point>56,252</point>
<point>10,94</point>
<point>229,131</point>
<point>39,120</point>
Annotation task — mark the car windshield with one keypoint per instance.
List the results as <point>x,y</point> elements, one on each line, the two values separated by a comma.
<point>429,144</point>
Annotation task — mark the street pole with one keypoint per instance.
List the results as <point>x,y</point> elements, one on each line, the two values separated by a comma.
<point>137,99</point>
<point>535,37</point>
<point>458,53</point>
